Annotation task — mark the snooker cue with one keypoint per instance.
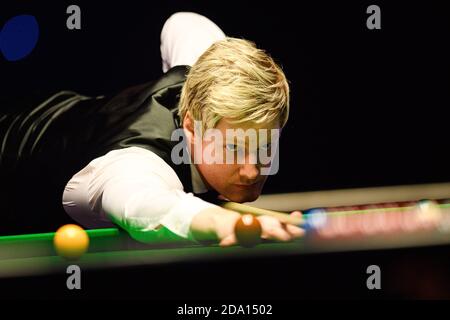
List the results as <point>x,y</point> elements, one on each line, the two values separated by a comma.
<point>243,208</point>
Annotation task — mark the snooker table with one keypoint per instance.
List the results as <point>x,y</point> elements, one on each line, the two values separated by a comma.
<point>414,264</point>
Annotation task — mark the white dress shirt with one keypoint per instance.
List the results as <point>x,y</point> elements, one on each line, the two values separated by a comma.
<point>184,38</point>
<point>136,189</point>
<point>133,187</point>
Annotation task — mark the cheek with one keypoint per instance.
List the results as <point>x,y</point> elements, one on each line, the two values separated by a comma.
<point>220,173</point>
<point>226,172</point>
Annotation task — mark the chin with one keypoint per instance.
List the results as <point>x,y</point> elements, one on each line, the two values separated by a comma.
<point>244,197</point>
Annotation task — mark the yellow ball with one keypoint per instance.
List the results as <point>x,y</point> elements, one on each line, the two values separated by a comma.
<point>71,241</point>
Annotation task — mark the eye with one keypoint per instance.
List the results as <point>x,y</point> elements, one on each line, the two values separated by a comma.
<point>231,147</point>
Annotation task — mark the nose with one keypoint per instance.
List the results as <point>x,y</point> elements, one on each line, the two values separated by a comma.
<point>249,172</point>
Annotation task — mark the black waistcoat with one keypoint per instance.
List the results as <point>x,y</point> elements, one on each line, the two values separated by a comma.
<point>51,139</point>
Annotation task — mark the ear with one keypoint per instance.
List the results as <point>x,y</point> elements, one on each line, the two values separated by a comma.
<point>188,124</point>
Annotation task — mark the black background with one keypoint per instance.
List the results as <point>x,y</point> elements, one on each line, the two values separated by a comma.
<point>368,107</point>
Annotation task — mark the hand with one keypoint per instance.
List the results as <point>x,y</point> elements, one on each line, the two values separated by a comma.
<point>272,229</point>
<point>218,224</point>
<point>213,224</point>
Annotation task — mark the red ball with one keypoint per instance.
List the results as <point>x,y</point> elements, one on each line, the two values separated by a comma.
<point>248,231</point>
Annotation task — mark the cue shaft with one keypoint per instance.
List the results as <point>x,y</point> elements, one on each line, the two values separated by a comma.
<point>243,208</point>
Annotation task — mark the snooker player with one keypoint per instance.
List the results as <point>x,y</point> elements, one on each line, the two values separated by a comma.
<point>119,167</point>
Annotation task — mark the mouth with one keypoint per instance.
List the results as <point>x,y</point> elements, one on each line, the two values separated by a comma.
<point>247,186</point>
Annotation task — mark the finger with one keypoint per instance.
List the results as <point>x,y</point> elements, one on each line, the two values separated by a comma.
<point>296,213</point>
<point>272,229</point>
<point>295,231</point>
<point>228,241</point>
<point>277,233</point>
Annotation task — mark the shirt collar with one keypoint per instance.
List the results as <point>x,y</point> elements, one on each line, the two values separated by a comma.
<point>198,186</point>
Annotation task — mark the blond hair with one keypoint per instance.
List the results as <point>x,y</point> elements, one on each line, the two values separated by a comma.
<point>234,79</point>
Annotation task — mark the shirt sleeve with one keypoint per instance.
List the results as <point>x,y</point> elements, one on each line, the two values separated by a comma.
<point>135,189</point>
<point>185,36</point>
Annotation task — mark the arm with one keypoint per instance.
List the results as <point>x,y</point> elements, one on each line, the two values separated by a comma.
<point>135,189</point>
<point>138,191</point>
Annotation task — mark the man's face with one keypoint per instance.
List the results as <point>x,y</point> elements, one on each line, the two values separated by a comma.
<point>240,179</point>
